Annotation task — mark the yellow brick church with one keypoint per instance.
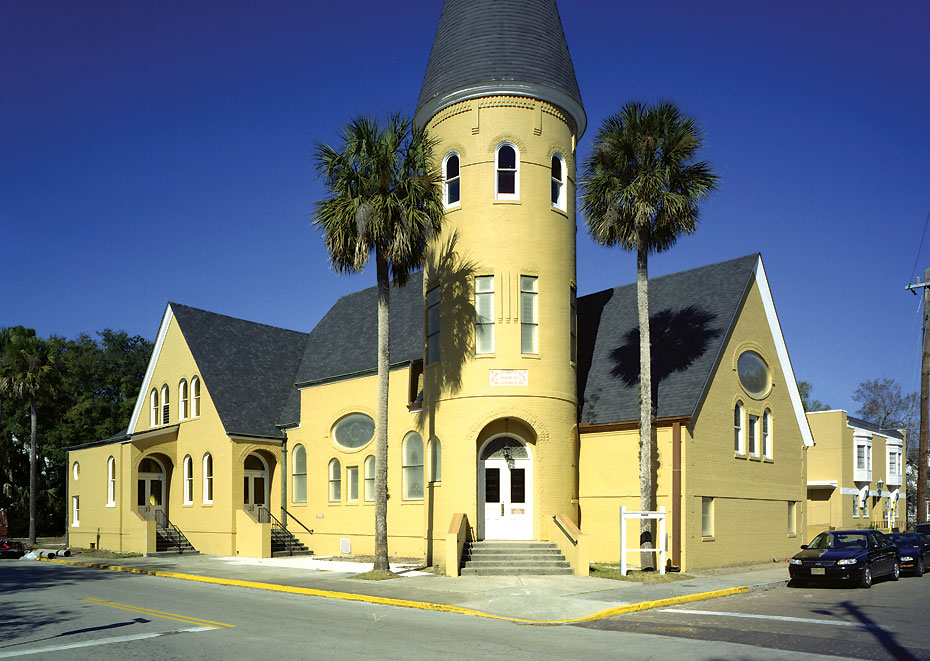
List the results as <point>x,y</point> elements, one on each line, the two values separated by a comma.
<point>513,401</point>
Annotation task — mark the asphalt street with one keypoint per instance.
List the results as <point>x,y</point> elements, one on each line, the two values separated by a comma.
<point>888,621</point>
<point>58,611</point>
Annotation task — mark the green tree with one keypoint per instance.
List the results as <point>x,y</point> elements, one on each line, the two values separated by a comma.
<point>640,190</point>
<point>382,198</point>
<point>31,367</point>
<point>806,389</point>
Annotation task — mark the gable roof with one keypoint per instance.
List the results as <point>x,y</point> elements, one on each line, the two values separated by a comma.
<point>701,303</point>
<point>247,367</point>
<point>345,341</point>
<point>692,315</point>
<point>514,47</point>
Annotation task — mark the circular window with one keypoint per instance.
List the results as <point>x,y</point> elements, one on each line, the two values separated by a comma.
<point>76,470</point>
<point>354,430</point>
<point>753,373</point>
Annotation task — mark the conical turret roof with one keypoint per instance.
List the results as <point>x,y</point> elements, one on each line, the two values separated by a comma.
<point>514,47</point>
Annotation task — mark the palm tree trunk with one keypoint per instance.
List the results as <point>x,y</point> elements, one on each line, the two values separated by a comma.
<point>645,406</point>
<point>32,471</point>
<point>381,423</point>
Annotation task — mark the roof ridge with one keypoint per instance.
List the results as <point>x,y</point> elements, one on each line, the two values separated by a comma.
<point>174,305</point>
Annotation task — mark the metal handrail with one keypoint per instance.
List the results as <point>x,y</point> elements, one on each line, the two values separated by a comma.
<point>297,520</point>
<point>562,527</point>
<point>167,525</point>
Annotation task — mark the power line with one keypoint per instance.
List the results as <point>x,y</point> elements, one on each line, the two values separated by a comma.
<point>920,247</point>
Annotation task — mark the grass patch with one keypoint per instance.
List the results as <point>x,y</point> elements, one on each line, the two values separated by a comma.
<point>376,575</point>
<point>606,570</point>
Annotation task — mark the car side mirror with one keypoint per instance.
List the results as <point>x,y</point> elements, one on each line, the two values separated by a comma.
<point>803,546</point>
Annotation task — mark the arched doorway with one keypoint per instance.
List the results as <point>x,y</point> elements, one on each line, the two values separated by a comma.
<point>505,489</point>
<point>255,482</point>
<point>152,487</point>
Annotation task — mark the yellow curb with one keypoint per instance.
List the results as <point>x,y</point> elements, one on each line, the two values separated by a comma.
<point>405,603</point>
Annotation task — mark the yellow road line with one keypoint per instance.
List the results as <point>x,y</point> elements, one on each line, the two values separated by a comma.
<point>148,611</point>
<point>405,603</point>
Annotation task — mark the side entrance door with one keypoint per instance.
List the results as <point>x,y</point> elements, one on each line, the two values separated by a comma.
<point>151,488</point>
<point>255,483</point>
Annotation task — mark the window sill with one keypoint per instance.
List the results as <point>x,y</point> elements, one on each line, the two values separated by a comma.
<point>111,505</point>
<point>531,356</point>
<point>708,539</point>
<point>754,457</point>
<point>738,455</point>
<point>452,207</point>
<point>484,356</point>
<point>411,501</point>
<point>768,460</point>
<point>187,504</point>
<point>561,212</point>
<point>506,201</point>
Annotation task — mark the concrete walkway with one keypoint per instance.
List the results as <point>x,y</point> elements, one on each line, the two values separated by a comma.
<point>528,599</point>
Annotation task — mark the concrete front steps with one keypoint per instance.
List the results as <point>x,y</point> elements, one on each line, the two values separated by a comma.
<point>513,559</point>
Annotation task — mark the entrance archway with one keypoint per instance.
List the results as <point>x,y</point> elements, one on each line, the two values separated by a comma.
<point>255,482</point>
<point>152,491</point>
<point>505,489</point>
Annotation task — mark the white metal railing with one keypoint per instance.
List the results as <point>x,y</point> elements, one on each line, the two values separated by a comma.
<point>660,547</point>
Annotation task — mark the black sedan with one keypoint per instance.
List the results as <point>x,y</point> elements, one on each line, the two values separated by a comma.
<point>853,557</point>
<point>913,551</point>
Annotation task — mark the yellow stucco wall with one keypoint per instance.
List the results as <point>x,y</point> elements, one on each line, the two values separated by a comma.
<point>752,495</point>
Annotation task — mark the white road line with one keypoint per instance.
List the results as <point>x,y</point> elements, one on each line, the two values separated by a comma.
<point>102,641</point>
<point>780,618</point>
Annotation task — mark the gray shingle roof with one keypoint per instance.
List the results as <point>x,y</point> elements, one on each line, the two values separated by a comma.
<point>512,41</point>
<point>346,339</point>
<point>871,426</point>
<point>690,313</point>
<point>248,368</point>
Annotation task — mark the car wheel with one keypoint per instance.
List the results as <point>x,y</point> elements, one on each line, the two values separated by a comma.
<point>896,571</point>
<point>865,581</point>
<point>920,567</point>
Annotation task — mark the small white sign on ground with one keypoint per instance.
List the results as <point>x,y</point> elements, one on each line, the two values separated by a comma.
<point>660,549</point>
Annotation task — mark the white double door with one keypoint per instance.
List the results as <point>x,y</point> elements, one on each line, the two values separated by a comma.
<point>507,488</point>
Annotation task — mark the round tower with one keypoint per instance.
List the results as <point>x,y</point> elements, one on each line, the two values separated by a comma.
<point>500,383</point>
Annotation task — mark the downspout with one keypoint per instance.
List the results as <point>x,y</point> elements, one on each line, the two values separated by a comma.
<point>284,482</point>
<point>676,494</point>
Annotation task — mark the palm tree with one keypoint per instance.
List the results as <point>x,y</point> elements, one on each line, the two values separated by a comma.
<point>383,198</point>
<point>640,190</point>
<point>30,367</point>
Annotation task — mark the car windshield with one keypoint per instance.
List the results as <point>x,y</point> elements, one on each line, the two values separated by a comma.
<point>839,540</point>
<point>904,538</point>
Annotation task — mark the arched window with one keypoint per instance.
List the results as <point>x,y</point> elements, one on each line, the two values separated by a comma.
<point>76,470</point>
<point>195,389</point>
<point>767,434</point>
<point>300,474</point>
<point>413,467</point>
<point>111,482</point>
<point>335,481</point>
<point>207,478</point>
<point>369,478</point>
<point>182,400</point>
<point>165,408</point>
<point>435,460</point>
<point>451,184</point>
<point>558,181</point>
<point>156,409</point>
<point>738,446</point>
<point>188,480</point>
<point>507,179</point>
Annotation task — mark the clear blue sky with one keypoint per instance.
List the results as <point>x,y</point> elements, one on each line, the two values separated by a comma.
<point>161,151</point>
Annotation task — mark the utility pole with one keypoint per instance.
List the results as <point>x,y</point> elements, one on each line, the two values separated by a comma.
<point>924,400</point>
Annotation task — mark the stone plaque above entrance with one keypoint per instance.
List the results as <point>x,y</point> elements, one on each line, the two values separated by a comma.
<point>509,377</point>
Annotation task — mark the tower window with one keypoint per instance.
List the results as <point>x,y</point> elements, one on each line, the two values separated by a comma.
<point>451,184</point>
<point>507,183</point>
<point>484,314</point>
<point>156,408</point>
<point>182,400</point>
<point>529,321</point>
<point>573,325</point>
<point>165,407</point>
<point>558,181</point>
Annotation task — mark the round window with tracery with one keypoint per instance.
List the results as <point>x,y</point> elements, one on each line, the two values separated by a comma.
<point>753,373</point>
<point>354,431</point>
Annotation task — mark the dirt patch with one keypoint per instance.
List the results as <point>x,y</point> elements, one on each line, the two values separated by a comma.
<point>603,570</point>
<point>376,575</point>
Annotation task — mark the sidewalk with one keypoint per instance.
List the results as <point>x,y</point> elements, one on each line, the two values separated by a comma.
<point>528,599</point>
